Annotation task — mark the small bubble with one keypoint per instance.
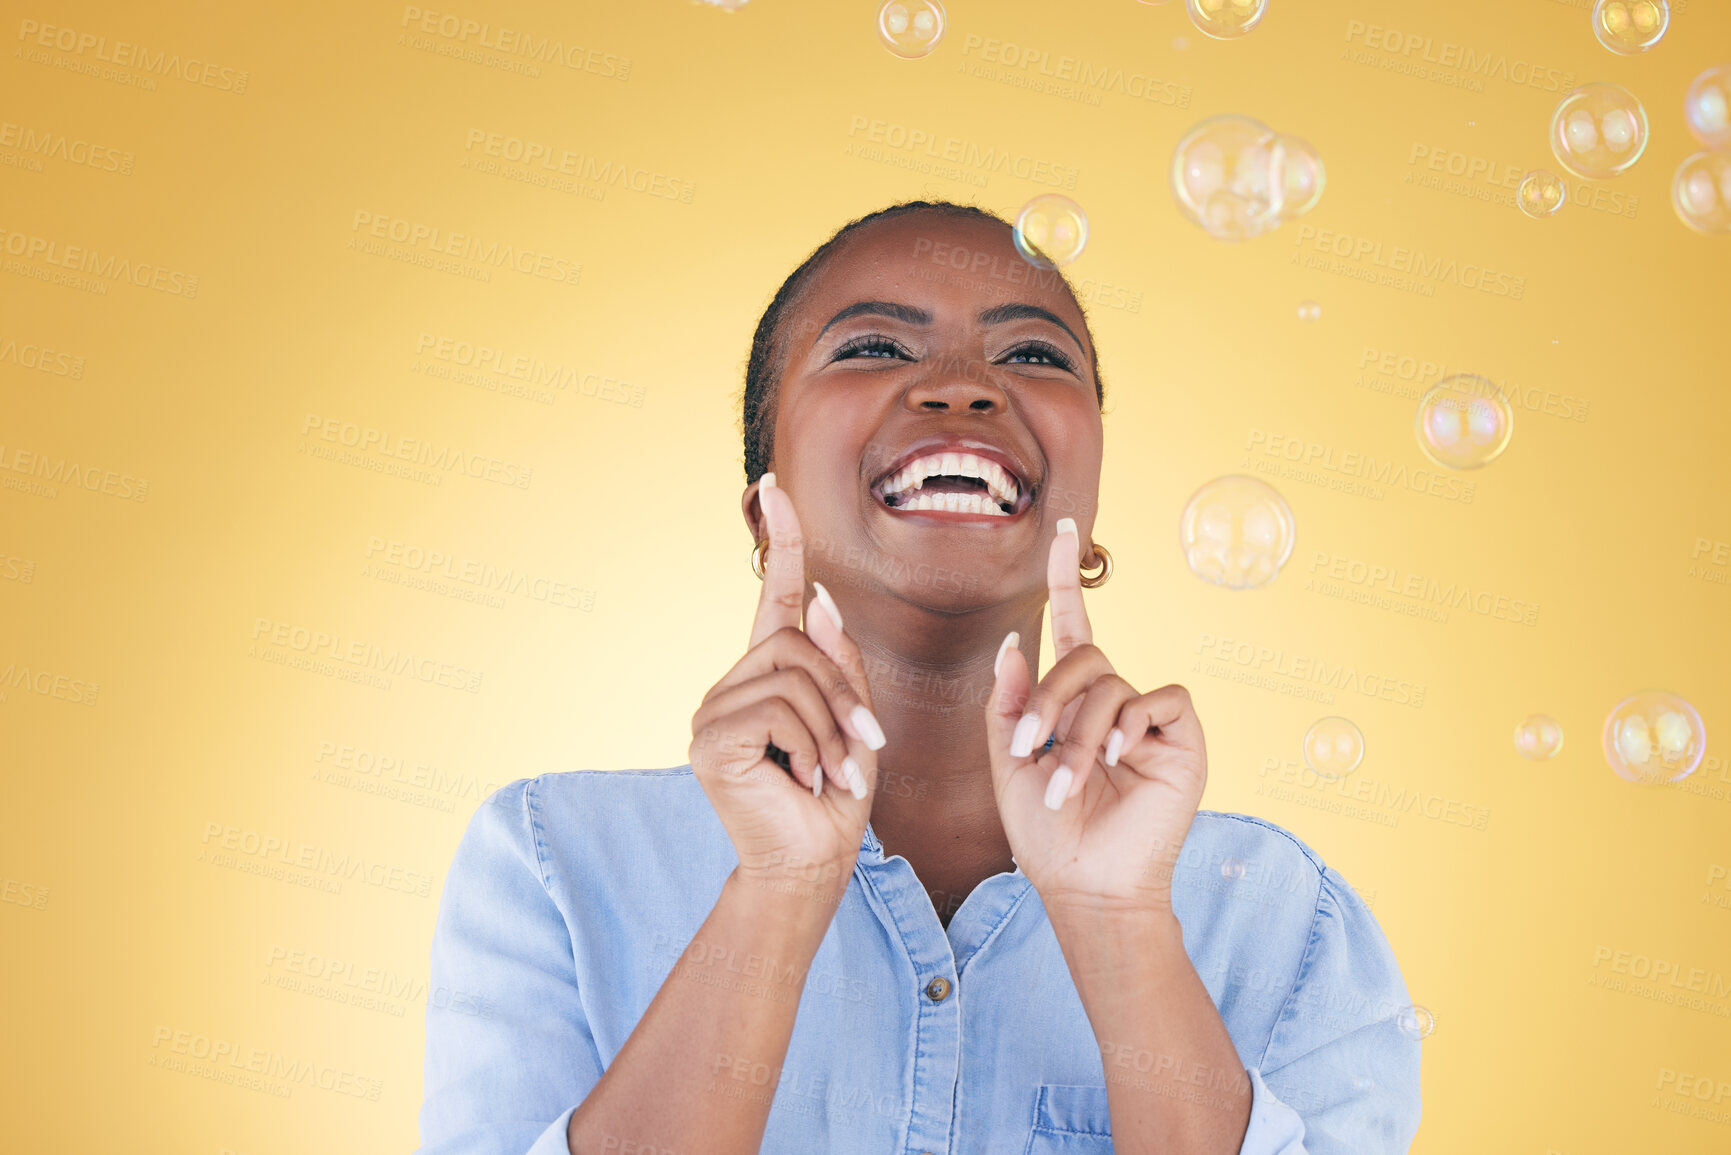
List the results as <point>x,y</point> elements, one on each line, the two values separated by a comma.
<point>1701,192</point>
<point>1541,193</point>
<point>1180,43</point>
<point>1363,1083</point>
<point>1236,531</point>
<point>1226,19</point>
<point>1232,868</point>
<point>1539,737</point>
<point>1051,230</point>
<point>1464,422</point>
<point>1223,176</point>
<point>1598,131</point>
<point>911,28</point>
<point>1415,1022</point>
<point>1309,311</point>
<point>1654,737</point>
<point>724,5</point>
<point>1707,107</point>
<point>1333,747</point>
<point>1629,27</point>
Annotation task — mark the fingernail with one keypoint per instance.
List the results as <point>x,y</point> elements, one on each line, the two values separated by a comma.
<point>1012,638</point>
<point>1058,787</point>
<point>817,782</point>
<point>1065,525</point>
<point>870,732</point>
<point>1022,742</point>
<point>767,481</point>
<point>1114,746</point>
<point>828,603</point>
<point>855,780</point>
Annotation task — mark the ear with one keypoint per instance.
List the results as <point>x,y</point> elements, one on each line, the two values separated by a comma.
<point>753,511</point>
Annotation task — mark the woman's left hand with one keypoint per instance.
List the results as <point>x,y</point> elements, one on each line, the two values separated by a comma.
<point>1136,765</point>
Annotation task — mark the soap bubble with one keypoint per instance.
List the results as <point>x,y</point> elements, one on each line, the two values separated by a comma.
<point>1051,230</point>
<point>1415,1022</point>
<point>1598,130</point>
<point>1628,27</point>
<point>1309,311</point>
<point>1541,193</point>
<point>1237,531</point>
<point>1223,177</point>
<point>1226,19</point>
<point>1707,107</point>
<point>911,28</point>
<point>1333,747</point>
<point>1464,421</point>
<point>1701,192</point>
<point>1232,868</point>
<point>1300,176</point>
<point>1539,737</point>
<point>724,5</point>
<point>1654,737</point>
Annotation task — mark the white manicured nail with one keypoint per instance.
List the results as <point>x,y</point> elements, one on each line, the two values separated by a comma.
<point>1022,741</point>
<point>870,732</point>
<point>1114,746</point>
<point>817,781</point>
<point>828,604</point>
<point>1058,787</point>
<point>1012,638</point>
<point>855,780</point>
<point>767,481</point>
<point>1066,525</point>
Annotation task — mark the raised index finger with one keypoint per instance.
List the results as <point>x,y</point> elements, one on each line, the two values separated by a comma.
<point>783,594</point>
<point>1070,626</point>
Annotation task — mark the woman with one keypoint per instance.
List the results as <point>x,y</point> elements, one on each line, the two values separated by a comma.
<point>875,913</point>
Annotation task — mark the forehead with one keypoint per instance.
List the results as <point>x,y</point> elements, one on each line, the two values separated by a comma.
<point>937,261</point>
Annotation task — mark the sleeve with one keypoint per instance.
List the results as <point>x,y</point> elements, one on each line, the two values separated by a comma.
<point>1340,1075</point>
<point>509,1051</point>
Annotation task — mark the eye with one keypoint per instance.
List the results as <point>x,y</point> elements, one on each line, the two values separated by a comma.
<point>872,345</point>
<point>1045,353</point>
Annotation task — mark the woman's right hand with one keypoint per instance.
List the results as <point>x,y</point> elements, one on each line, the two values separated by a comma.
<point>805,693</point>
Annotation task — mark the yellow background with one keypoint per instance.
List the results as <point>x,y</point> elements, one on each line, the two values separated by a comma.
<point>123,917</point>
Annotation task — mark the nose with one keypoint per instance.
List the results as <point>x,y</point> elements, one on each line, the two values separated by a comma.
<point>957,384</point>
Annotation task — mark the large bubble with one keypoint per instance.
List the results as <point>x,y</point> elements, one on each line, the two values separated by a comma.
<point>1464,421</point>
<point>1237,531</point>
<point>1333,747</point>
<point>911,28</point>
<point>1222,177</point>
<point>1628,27</point>
<point>1598,131</point>
<point>1707,107</point>
<point>1051,230</point>
<point>1226,19</point>
<point>1701,192</point>
<point>1654,737</point>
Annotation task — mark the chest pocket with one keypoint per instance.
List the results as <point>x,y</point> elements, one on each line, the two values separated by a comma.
<point>1070,1121</point>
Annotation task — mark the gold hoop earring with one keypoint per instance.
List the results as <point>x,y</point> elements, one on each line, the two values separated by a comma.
<point>1095,581</point>
<point>759,553</point>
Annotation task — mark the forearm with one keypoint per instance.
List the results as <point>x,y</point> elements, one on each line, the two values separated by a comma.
<point>1174,1081</point>
<point>699,1071</point>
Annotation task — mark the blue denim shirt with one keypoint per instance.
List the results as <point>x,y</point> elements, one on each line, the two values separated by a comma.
<point>572,896</point>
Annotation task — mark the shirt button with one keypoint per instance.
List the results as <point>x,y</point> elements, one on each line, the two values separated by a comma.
<point>935,991</point>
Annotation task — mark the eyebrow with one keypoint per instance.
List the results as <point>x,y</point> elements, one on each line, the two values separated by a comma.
<point>908,314</point>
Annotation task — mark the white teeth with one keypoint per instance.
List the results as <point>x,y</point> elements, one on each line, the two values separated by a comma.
<point>999,483</point>
<point>954,503</point>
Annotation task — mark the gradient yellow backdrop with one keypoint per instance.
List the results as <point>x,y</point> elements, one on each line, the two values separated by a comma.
<point>221,853</point>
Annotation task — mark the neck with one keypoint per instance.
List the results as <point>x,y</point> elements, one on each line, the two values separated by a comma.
<point>931,679</point>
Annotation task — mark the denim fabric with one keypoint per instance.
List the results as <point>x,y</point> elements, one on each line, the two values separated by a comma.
<point>572,896</point>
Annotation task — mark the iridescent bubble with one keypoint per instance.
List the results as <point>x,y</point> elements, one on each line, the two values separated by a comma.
<point>1333,747</point>
<point>1701,192</point>
<point>1300,176</point>
<point>1539,737</point>
<point>1051,230</point>
<point>725,5</point>
<point>1598,131</point>
<point>1707,107</point>
<point>1237,531</point>
<point>1226,19</point>
<point>1654,737</point>
<point>1415,1022</point>
<point>1309,311</point>
<point>1232,868</point>
<point>1541,193</point>
<point>1628,27</point>
<point>911,28</point>
<point>1223,176</point>
<point>1464,421</point>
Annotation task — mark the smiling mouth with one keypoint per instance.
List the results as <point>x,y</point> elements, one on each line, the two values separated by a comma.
<point>953,482</point>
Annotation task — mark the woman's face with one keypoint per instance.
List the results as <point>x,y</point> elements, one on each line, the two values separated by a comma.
<point>936,415</point>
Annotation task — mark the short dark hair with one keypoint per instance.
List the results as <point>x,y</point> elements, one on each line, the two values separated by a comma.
<point>768,354</point>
